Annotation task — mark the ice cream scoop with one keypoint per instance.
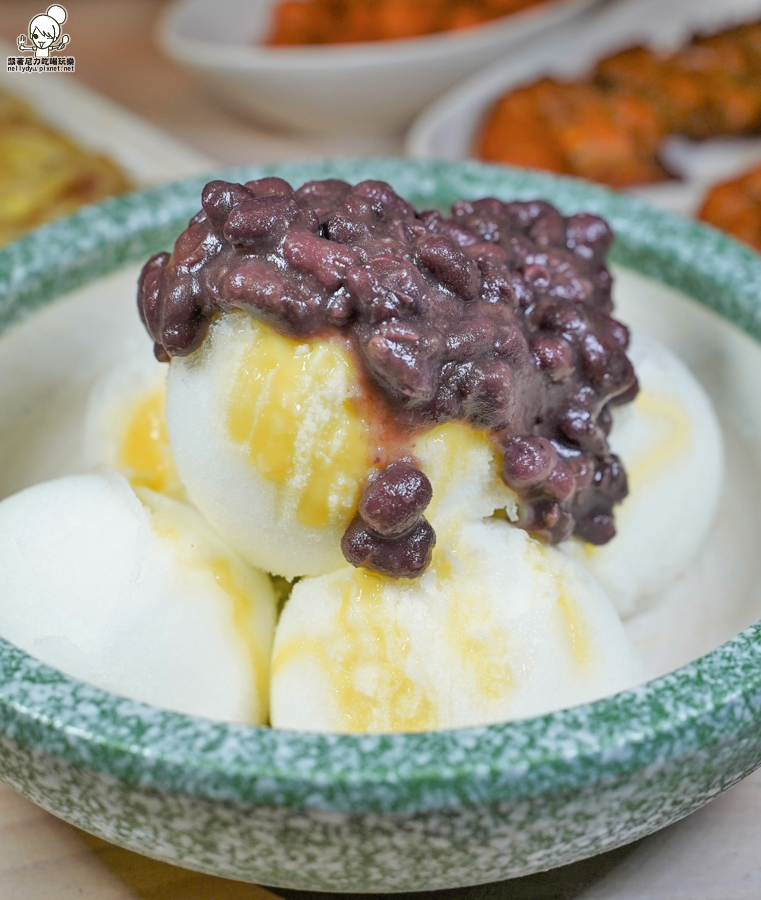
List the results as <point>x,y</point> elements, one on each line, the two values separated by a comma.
<point>269,440</point>
<point>137,595</point>
<point>670,442</point>
<point>125,426</point>
<point>500,626</point>
<point>288,443</point>
<point>275,412</point>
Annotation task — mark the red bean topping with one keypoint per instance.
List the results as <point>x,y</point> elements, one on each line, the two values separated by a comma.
<point>549,229</point>
<point>219,199</point>
<point>528,461</point>
<point>270,187</point>
<point>394,500</point>
<point>262,222</point>
<point>404,359</point>
<point>497,315</point>
<point>588,236</point>
<point>554,355</point>
<point>325,261</point>
<point>449,264</point>
<point>403,557</point>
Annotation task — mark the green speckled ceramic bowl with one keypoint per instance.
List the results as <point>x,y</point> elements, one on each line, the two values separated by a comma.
<point>382,813</point>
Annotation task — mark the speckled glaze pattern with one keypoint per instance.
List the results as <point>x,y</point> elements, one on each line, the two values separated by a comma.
<point>382,813</point>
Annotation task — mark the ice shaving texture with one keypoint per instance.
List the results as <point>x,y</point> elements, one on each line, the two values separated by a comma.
<point>125,426</point>
<point>269,442</point>
<point>140,598</point>
<point>497,317</point>
<point>463,467</point>
<point>499,626</point>
<point>670,441</point>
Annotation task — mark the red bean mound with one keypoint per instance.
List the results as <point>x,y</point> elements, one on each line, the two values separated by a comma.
<point>498,315</point>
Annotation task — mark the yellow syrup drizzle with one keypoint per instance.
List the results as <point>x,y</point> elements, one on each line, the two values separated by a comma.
<point>670,447</point>
<point>448,449</point>
<point>317,450</point>
<point>145,456</point>
<point>365,640</point>
<point>482,647</point>
<point>222,570</point>
<point>577,633</point>
<point>575,628</point>
<point>243,609</point>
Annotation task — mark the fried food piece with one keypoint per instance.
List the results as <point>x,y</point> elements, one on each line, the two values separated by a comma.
<point>43,174</point>
<point>718,70</point>
<point>645,73</point>
<point>576,129</point>
<point>633,69</point>
<point>710,87</point>
<point>299,22</point>
<point>706,89</point>
<point>609,127</point>
<point>735,207</point>
<point>611,139</point>
<point>518,133</point>
<point>750,38</point>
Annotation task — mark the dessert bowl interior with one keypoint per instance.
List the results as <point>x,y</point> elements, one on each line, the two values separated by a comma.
<point>367,87</point>
<point>408,811</point>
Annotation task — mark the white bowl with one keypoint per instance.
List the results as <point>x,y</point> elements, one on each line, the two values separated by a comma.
<point>447,129</point>
<point>366,87</point>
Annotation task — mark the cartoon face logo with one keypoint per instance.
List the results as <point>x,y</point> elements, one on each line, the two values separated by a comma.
<point>45,33</point>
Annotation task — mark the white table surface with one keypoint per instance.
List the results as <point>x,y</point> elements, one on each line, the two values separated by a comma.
<point>714,854</point>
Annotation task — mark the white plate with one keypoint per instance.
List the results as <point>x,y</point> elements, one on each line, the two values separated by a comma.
<point>364,87</point>
<point>147,154</point>
<point>447,129</point>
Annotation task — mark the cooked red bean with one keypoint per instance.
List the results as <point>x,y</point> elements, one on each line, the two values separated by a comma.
<point>497,316</point>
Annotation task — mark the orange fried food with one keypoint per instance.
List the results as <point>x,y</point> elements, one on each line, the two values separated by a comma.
<point>735,207</point>
<point>609,126</point>
<point>297,22</point>
<point>712,86</point>
<point>635,68</point>
<point>717,76</point>
<point>520,135</point>
<point>612,139</point>
<point>576,129</point>
<point>676,97</point>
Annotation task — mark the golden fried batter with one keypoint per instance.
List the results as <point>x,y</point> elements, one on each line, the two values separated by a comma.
<point>43,174</point>
<point>735,206</point>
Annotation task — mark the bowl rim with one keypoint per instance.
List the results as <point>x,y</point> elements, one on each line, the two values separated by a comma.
<point>363,54</point>
<point>702,705</point>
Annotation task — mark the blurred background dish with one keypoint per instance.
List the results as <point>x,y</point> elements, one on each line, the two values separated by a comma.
<point>735,206</point>
<point>145,153</point>
<point>303,22</point>
<point>629,127</point>
<point>62,146</point>
<point>44,174</point>
<point>374,86</point>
